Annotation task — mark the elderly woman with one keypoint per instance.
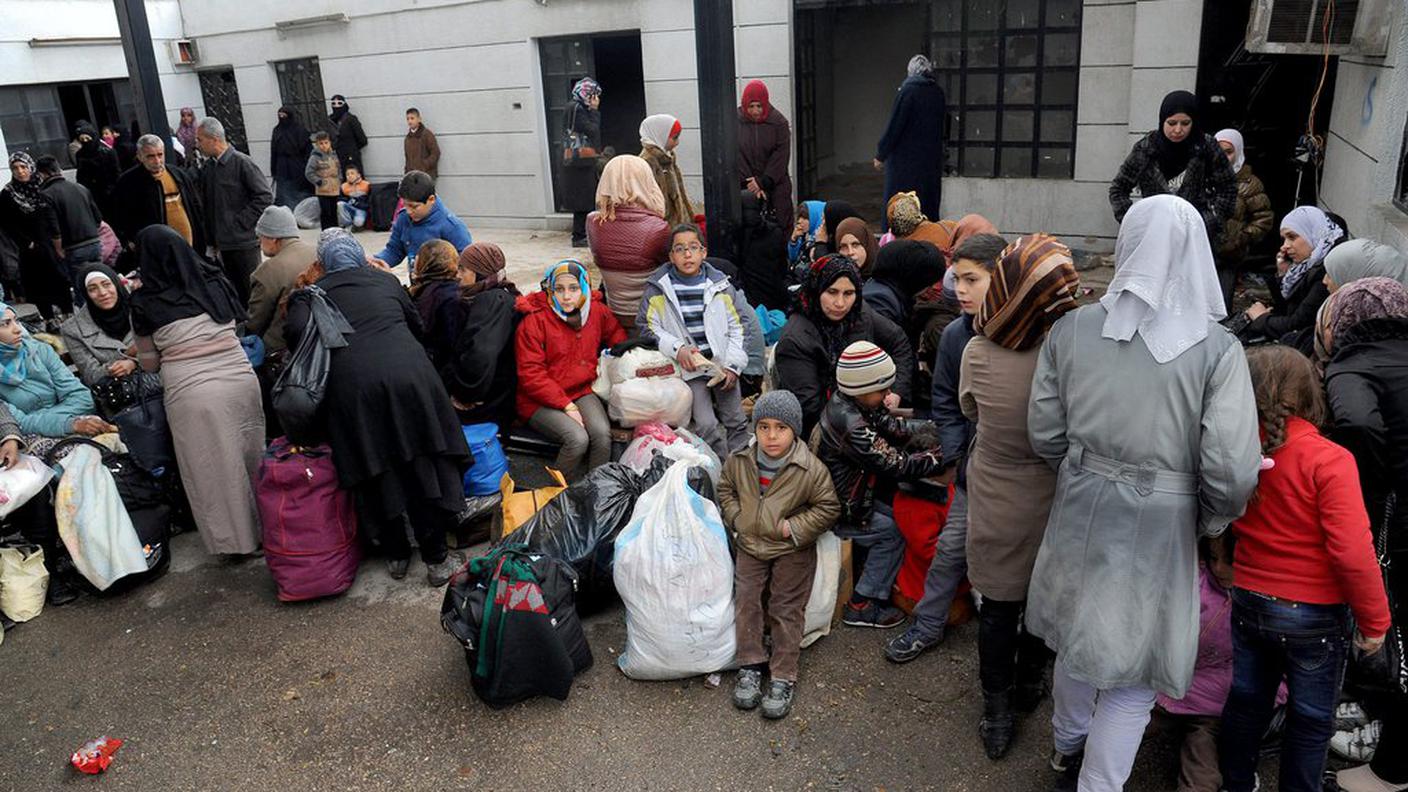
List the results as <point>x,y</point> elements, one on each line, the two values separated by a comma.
<point>100,341</point>
<point>627,233</point>
<point>184,318</point>
<point>394,435</point>
<point>659,136</point>
<point>911,152</point>
<point>482,375</point>
<point>1307,237</point>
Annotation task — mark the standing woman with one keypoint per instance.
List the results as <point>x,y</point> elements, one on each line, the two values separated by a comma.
<point>288,154</point>
<point>579,171</point>
<point>184,317</point>
<point>1307,237</point>
<point>911,152</point>
<point>394,436</point>
<point>186,136</point>
<point>1009,487</point>
<point>1179,159</point>
<point>764,151</point>
<point>28,218</point>
<point>628,235</point>
<point>659,135</point>
<point>1250,221</point>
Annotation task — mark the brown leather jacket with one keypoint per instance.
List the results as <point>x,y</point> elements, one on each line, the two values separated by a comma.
<point>1250,221</point>
<point>801,494</point>
<point>423,152</point>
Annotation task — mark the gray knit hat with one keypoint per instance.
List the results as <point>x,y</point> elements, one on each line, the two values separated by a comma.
<point>779,405</point>
<point>277,223</point>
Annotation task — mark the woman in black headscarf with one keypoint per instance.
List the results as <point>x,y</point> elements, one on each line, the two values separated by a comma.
<point>184,316</point>
<point>97,166</point>
<point>27,217</point>
<point>1179,158</point>
<point>902,270</point>
<point>288,154</point>
<point>100,341</point>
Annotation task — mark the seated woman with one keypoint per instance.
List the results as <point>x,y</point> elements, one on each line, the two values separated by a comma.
<point>907,221</point>
<point>184,316</point>
<point>627,233</point>
<point>856,241</point>
<point>100,341</point>
<point>46,400</point>
<point>435,289</point>
<point>562,333</point>
<point>832,316</point>
<point>394,435</point>
<point>903,269</point>
<point>1307,236</point>
<point>482,375</point>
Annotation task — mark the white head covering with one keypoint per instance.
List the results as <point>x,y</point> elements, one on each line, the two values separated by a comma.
<point>1238,147</point>
<point>1165,286</point>
<point>919,66</point>
<point>655,130</point>
<point>1315,227</point>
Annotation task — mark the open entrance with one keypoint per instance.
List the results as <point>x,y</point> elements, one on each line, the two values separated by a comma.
<point>612,59</point>
<point>40,119</point>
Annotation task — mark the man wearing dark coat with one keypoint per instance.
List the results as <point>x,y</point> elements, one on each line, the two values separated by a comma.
<point>911,152</point>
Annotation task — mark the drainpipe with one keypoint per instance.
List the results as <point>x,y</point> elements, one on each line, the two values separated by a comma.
<point>718,122</point>
<point>141,71</point>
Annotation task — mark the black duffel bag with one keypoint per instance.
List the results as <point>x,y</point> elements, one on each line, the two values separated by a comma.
<point>299,391</point>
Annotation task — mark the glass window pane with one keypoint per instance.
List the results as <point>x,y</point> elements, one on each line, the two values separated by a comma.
<point>1016,163</point>
<point>41,97</point>
<point>1021,51</point>
<point>1062,49</point>
<point>1018,126</point>
<point>977,161</point>
<point>953,126</point>
<point>17,132</point>
<point>1019,88</point>
<point>1057,126</point>
<point>48,126</point>
<point>980,125</point>
<point>947,52</point>
<point>984,15</point>
<point>1058,88</point>
<point>982,50</point>
<point>947,16</point>
<point>1023,13</point>
<point>982,89</point>
<point>1062,13</point>
<point>949,81</point>
<point>11,102</point>
<point>1054,163</point>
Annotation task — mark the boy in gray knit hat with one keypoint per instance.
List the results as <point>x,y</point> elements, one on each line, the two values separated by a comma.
<point>777,499</point>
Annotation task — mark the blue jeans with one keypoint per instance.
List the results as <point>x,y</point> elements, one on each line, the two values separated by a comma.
<point>946,571</point>
<point>1305,644</point>
<point>886,545</point>
<point>349,215</point>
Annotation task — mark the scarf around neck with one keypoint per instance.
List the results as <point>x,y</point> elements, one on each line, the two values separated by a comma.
<point>1315,227</point>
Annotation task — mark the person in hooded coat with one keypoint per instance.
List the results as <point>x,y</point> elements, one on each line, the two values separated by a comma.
<point>1354,259</point>
<point>184,318</point>
<point>1250,221</point>
<point>911,151</point>
<point>395,439</point>
<point>579,174</point>
<point>764,151</point>
<point>348,137</point>
<point>97,165</point>
<point>1143,405</point>
<point>902,270</point>
<point>288,154</point>
<point>1179,158</point>
<point>659,136</point>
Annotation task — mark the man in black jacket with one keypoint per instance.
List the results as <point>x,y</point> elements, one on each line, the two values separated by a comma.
<point>233,193</point>
<point>78,216</point>
<point>149,193</point>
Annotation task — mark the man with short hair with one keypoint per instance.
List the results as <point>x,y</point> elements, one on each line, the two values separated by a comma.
<point>77,212</point>
<point>288,256</point>
<point>422,152</point>
<point>234,193</point>
<point>150,193</point>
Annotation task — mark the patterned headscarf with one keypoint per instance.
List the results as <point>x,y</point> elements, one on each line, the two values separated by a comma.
<point>919,66</point>
<point>575,315</point>
<point>435,261</point>
<point>338,251</point>
<point>1315,227</point>
<point>824,272</point>
<point>585,89</point>
<point>26,194</point>
<point>628,181</point>
<point>1034,284</point>
<point>1364,300</point>
<point>904,213</point>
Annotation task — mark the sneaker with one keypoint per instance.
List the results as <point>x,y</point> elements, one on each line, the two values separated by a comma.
<point>778,701</point>
<point>909,645</point>
<point>397,567</point>
<point>61,591</point>
<point>1357,745</point>
<point>439,574</point>
<point>872,614</point>
<point>1349,716</point>
<point>748,688</point>
<point>1364,779</point>
<point>1068,765</point>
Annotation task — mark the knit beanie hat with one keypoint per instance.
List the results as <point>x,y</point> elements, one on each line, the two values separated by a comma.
<point>276,223</point>
<point>416,186</point>
<point>779,405</point>
<point>864,368</point>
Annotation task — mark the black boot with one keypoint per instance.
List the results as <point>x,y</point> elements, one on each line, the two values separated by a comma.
<point>62,590</point>
<point>1033,685</point>
<point>999,724</point>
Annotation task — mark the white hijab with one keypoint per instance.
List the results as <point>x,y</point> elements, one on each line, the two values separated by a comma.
<point>1238,147</point>
<point>1165,286</point>
<point>655,131</point>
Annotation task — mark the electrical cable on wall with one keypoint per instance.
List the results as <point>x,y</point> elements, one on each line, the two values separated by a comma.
<point>1310,149</point>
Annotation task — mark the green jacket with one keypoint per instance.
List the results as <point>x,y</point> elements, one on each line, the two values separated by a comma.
<point>801,494</point>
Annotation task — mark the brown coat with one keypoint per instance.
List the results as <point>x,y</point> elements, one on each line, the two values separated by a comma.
<point>1250,221</point>
<point>1010,488</point>
<point>678,209</point>
<point>422,152</point>
<point>802,494</point>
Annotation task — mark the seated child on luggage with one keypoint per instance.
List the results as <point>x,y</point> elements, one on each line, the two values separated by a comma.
<point>691,309</point>
<point>352,209</point>
<point>869,452</point>
<point>776,498</point>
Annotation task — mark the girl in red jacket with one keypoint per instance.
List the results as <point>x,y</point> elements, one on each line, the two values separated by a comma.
<point>563,331</point>
<point>1304,563</point>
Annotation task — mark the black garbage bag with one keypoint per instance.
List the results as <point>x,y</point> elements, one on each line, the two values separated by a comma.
<point>580,525</point>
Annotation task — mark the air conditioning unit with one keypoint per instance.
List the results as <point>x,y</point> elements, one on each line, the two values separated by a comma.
<point>184,52</point>
<point>1310,27</point>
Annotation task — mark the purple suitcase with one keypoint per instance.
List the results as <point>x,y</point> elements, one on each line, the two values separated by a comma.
<point>310,524</point>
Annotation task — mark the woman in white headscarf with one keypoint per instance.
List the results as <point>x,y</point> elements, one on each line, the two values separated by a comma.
<point>1143,404</point>
<point>1249,223</point>
<point>1308,235</point>
<point>659,135</point>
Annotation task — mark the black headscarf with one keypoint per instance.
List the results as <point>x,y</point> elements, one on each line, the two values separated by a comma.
<point>178,284</point>
<point>115,322</point>
<point>289,134</point>
<point>339,112</point>
<point>1173,157</point>
<point>834,213</point>
<point>824,272</point>
<point>27,195</point>
<point>909,265</point>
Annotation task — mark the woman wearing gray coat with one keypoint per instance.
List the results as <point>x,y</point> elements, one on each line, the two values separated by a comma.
<point>1144,406</point>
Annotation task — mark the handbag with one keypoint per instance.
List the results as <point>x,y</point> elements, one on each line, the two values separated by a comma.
<point>299,391</point>
<point>114,394</point>
<point>1385,672</point>
<point>575,148</point>
<point>144,429</point>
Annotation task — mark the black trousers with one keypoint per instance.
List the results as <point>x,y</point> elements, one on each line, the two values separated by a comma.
<point>1007,654</point>
<point>239,266</point>
<point>428,520</point>
<point>327,211</point>
<point>37,524</point>
<point>579,226</point>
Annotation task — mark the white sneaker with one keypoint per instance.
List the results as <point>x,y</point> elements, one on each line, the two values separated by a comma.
<point>1350,716</point>
<point>1358,744</point>
<point>1362,779</point>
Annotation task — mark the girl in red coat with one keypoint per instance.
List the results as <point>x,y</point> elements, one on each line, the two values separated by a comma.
<point>1304,563</point>
<point>563,331</point>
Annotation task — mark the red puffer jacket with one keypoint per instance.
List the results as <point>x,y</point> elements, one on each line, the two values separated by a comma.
<point>557,363</point>
<point>627,250</point>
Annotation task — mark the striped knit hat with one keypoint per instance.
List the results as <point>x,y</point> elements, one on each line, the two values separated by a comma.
<point>864,368</point>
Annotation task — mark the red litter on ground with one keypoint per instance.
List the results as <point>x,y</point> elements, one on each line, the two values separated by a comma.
<point>95,755</point>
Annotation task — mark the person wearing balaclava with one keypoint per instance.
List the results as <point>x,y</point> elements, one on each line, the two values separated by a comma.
<point>1179,158</point>
<point>347,135</point>
<point>288,154</point>
<point>911,151</point>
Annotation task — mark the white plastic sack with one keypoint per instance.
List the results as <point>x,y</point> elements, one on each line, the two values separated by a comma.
<point>641,452</point>
<point>826,584</point>
<point>23,582</point>
<point>674,572</point>
<point>664,399</point>
<point>93,522</point>
<point>22,482</point>
<point>605,367</point>
<point>635,361</point>
<point>693,450</point>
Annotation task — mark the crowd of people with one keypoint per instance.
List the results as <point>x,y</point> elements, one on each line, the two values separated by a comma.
<point>1169,507</point>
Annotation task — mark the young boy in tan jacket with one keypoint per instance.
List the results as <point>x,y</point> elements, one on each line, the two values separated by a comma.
<point>776,498</point>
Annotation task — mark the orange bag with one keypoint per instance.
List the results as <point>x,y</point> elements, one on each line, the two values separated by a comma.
<point>520,506</point>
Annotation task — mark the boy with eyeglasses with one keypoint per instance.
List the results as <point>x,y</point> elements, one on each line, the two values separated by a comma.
<point>690,309</point>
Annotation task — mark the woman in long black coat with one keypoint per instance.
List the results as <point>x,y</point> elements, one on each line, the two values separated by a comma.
<point>580,174</point>
<point>288,156</point>
<point>394,435</point>
<point>912,149</point>
<point>28,218</point>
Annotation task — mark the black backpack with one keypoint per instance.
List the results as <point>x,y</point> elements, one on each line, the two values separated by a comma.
<point>298,393</point>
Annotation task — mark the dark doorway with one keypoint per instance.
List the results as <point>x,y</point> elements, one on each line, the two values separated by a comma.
<point>301,90</point>
<point>612,59</point>
<point>106,103</point>
<point>221,97</point>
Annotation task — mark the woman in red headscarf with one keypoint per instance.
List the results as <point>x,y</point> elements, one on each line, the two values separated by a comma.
<point>764,150</point>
